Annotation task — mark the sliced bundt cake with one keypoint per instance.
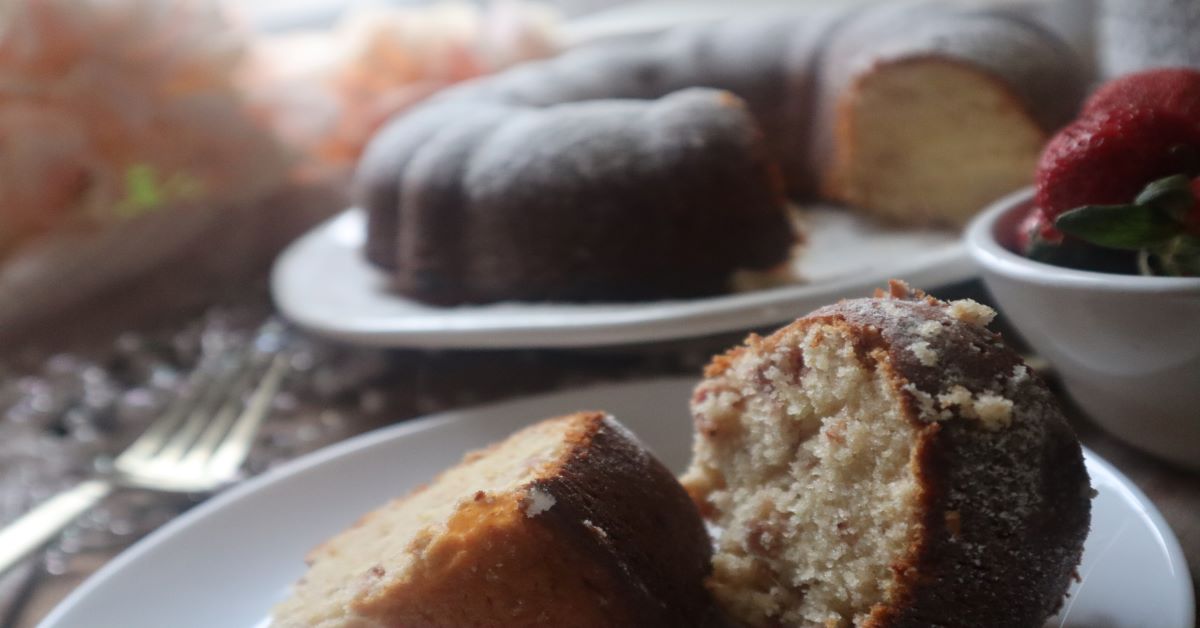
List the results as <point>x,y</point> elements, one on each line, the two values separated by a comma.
<point>887,462</point>
<point>587,177</point>
<point>570,522</point>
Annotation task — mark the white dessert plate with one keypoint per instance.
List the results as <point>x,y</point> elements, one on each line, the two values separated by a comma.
<point>323,283</point>
<point>227,561</point>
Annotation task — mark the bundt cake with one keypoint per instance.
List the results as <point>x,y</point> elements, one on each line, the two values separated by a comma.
<point>887,462</point>
<point>619,200</point>
<point>587,177</point>
<point>569,522</point>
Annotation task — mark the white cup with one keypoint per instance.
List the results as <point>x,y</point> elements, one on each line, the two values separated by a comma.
<point>1127,347</point>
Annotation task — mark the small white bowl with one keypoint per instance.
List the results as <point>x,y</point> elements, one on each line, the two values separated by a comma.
<point>1127,347</point>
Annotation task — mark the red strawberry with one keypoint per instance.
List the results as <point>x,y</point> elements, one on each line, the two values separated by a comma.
<point>1107,158</point>
<point>1172,90</point>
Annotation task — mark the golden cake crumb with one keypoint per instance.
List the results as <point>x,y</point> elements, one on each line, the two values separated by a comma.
<point>929,329</point>
<point>924,353</point>
<point>972,312</point>
<point>994,412</point>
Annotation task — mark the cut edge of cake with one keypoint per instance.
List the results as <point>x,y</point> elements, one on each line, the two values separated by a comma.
<point>901,154</point>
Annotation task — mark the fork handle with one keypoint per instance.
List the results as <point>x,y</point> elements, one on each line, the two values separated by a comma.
<point>37,527</point>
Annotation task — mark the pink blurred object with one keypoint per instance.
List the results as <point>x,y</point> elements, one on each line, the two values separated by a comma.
<point>111,108</point>
<point>329,91</point>
<point>125,143</point>
<point>157,151</point>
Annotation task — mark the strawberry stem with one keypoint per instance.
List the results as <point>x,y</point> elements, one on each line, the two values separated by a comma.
<point>1154,225</point>
<point>1143,264</point>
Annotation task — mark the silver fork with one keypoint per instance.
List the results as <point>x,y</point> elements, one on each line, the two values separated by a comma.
<point>196,446</point>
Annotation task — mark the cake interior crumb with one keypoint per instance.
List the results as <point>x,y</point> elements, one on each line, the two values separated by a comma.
<point>393,540</point>
<point>808,471</point>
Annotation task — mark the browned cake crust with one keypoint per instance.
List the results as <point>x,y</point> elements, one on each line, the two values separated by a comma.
<point>627,513</point>
<point>1004,498</point>
<point>598,534</point>
<point>986,557</point>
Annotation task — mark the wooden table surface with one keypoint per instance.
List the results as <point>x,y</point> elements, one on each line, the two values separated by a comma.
<point>467,378</point>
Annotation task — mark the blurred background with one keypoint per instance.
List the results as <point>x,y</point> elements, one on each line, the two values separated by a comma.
<point>157,155</point>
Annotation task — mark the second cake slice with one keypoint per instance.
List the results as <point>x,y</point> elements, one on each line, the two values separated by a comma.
<point>569,522</point>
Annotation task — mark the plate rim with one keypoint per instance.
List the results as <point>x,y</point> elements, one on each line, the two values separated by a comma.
<point>631,323</point>
<point>386,435</point>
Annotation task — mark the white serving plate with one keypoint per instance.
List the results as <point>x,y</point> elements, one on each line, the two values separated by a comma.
<point>323,283</point>
<point>227,561</point>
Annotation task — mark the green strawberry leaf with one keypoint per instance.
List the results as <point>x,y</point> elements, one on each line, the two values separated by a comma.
<point>1180,257</point>
<point>1172,195</point>
<point>1128,227</point>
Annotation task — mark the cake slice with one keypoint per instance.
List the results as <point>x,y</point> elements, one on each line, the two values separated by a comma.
<point>930,112</point>
<point>930,141</point>
<point>569,522</point>
<point>887,462</point>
